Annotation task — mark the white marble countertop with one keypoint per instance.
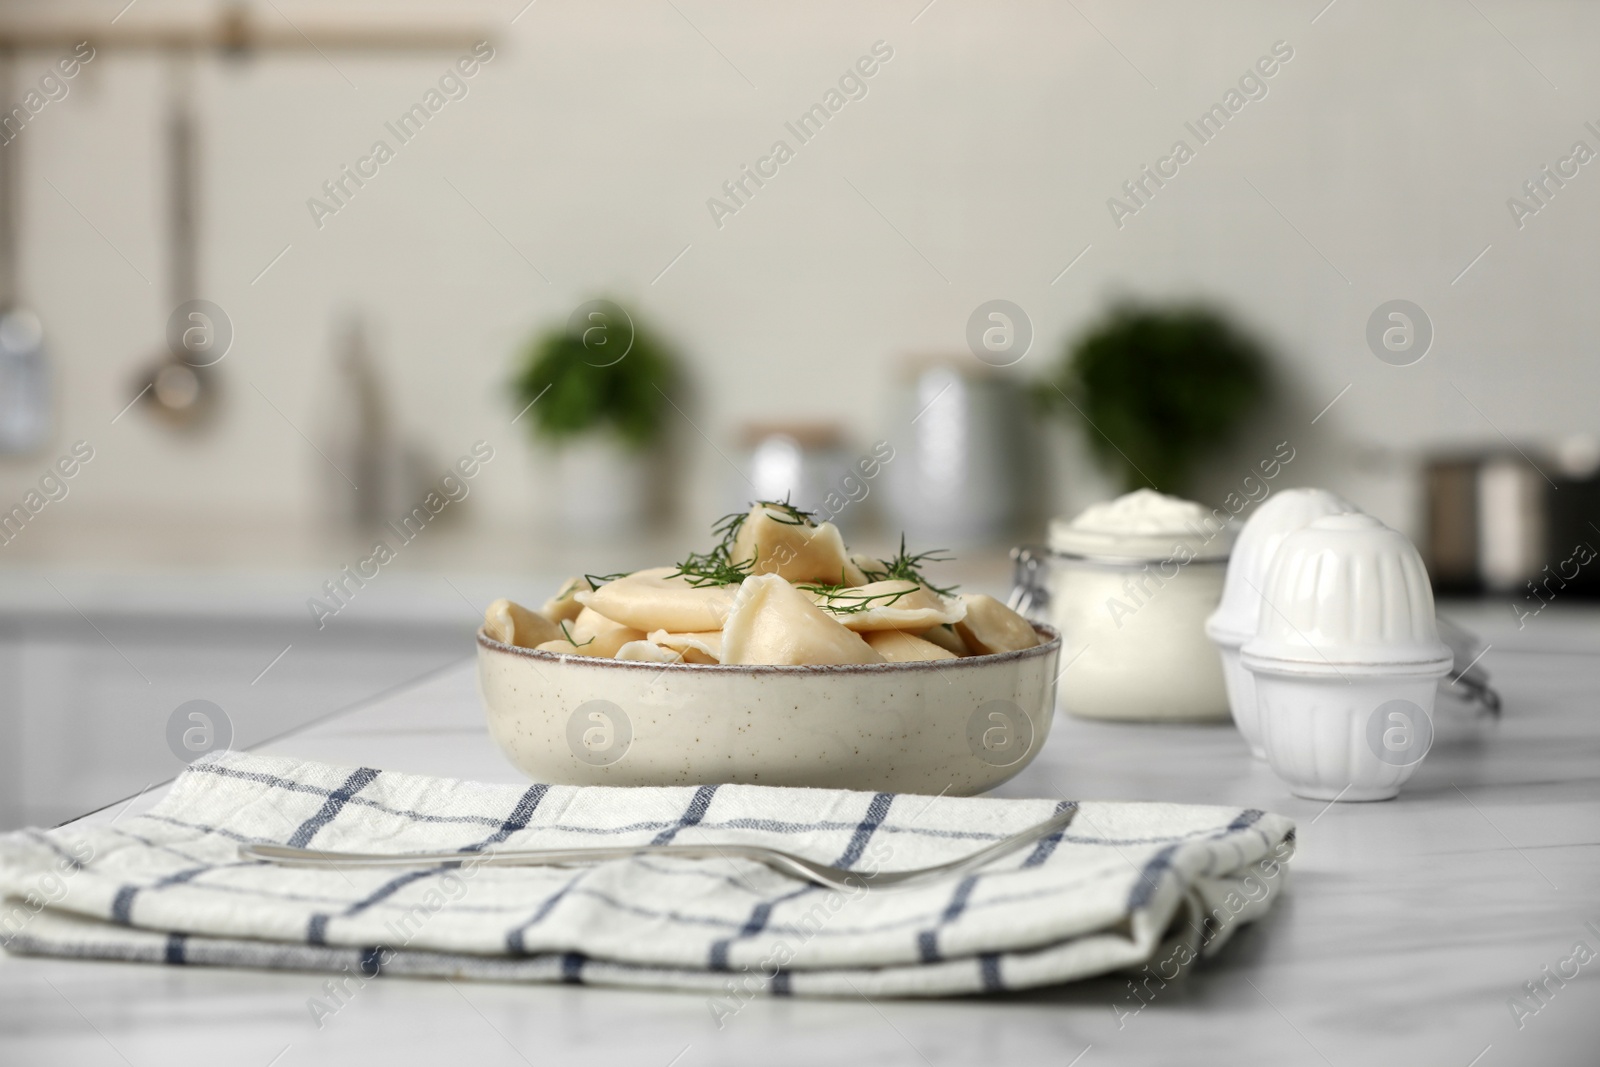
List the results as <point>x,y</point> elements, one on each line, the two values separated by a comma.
<point>1406,929</point>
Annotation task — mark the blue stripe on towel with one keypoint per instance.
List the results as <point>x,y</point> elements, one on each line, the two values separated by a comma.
<point>989,971</point>
<point>317,931</point>
<point>572,967</point>
<point>517,820</point>
<point>514,938</point>
<point>776,826</point>
<point>122,903</point>
<point>760,915</point>
<point>331,807</point>
<point>175,948</point>
<point>876,810</point>
<point>1046,846</point>
<point>1145,888</point>
<point>928,940</point>
<point>691,817</point>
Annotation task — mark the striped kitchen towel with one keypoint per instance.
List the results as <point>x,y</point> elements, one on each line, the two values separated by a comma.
<point>1126,886</point>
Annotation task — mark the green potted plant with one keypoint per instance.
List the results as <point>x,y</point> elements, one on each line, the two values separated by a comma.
<point>595,394</point>
<point>1158,387</point>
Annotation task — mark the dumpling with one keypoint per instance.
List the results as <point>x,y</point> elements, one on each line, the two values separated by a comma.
<point>648,652</point>
<point>592,634</point>
<point>513,624</point>
<point>946,638</point>
<point>774,623</point>
<point>604,646</point>
<point>989,626</point>
<point>899,647</point>
<point>897,604</point>
<point>870,568</point>
<point>703,647</point>
<point>591,623</point>
<point>655,600</point>
<point>564,606</point>
<point>774,541</point>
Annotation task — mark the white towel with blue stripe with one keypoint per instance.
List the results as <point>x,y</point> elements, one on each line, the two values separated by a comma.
<point>1127,886</point>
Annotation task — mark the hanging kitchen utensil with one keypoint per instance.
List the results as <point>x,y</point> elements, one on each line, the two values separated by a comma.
<point>25,406</point>
<point>181,386</point>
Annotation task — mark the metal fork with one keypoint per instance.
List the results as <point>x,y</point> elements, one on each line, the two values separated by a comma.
<point>783,862</point>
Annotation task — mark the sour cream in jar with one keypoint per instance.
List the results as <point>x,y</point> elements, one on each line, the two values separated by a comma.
<point>1131,583</point>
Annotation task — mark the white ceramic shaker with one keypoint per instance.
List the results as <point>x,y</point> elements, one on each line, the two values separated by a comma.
<point>1346,660</point>
<point>1234,621</point>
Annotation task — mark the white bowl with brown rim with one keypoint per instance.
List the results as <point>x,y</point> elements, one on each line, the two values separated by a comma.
<point>958,726</point>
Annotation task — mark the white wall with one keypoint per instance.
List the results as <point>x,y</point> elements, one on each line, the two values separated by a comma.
<point>991,141</point>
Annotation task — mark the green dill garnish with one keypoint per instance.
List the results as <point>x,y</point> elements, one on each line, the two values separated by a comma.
<point>906,567</point>
<point>597,580</point>
<point>717,567</point>
<point>788,514</point>
<point>852,600</point>
<point>570,639</point>
<point>727,528</point>
<point>712,568</point>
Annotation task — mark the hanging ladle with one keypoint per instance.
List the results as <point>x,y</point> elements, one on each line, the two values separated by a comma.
<point>180,385</point>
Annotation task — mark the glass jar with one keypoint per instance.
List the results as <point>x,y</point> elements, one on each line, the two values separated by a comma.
<point>1131,611</point>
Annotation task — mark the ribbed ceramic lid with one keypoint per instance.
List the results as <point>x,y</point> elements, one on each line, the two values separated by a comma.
<point>1145,524</point>
<point>1276,518</point>
<point>1350,591</point>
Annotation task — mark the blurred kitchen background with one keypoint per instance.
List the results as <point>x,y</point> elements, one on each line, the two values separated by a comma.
<point>980,264</point>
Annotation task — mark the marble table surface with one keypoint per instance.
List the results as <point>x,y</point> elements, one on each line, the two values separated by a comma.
<point>1406,932</point>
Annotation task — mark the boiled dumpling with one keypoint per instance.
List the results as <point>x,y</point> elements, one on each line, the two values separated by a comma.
<point>592,634</point>
<point>774,623</point>
<point>989,626</point>
<point>564,606</point>
<point>898,647</point>
<point>703,647</point>
<point>513,624</point>
<point>655,599</point>
<point>648,652</point>
<point>946,638</point>
<point>897,604</point>
<point>855,573</point>
<point>870,568</point>
<point>591,623</point>
<point>774,541</point>
<point>605,646</point>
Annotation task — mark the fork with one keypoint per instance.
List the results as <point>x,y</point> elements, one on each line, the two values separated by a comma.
<point>783,862</point>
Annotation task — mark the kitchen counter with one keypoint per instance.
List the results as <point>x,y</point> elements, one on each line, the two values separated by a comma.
<point>1406,928</point>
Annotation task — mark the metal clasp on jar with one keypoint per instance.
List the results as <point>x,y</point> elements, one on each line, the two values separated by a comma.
<point>1030,594</point>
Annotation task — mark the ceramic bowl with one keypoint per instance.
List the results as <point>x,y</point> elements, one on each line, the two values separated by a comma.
<point>956,726</point>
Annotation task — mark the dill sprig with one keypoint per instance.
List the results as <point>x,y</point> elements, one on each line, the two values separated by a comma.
<point>597,580</point>
<point>717,567</point>
<point>850,600</point>
<point>727,528</point>
<point>788,514</point>
<point>908,567</point>
<point>570,639</point>
<point>712,568</point>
